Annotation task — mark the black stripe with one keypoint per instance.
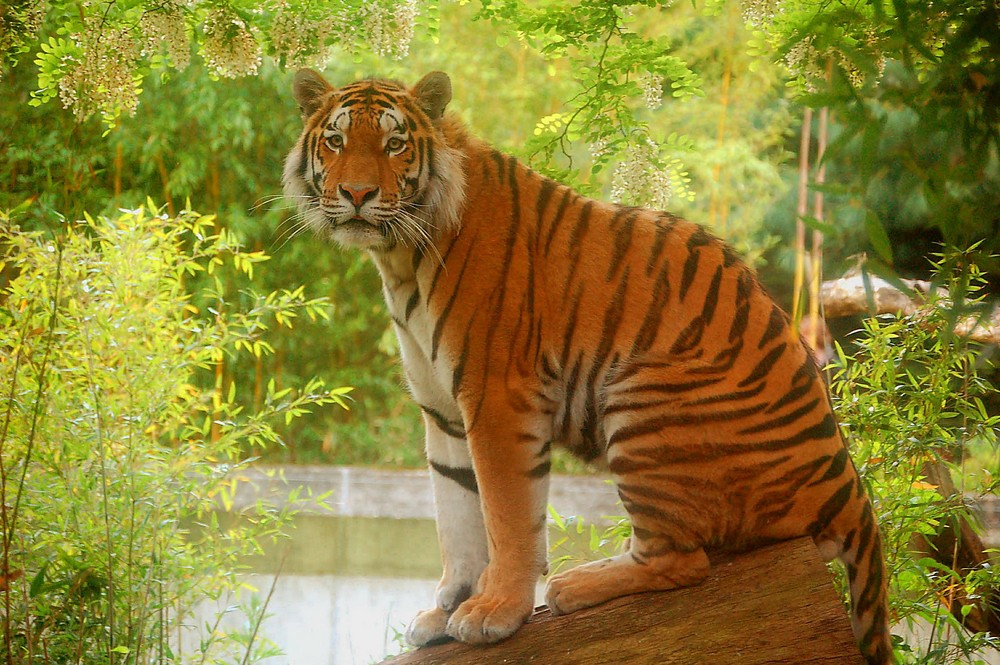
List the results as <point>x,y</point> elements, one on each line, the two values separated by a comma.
<point>744,287</point>
<point>689,338</point>
<point>411,304</point>
<point>775,325</point>
<point>654,312</point>
<point>782,421</point>
<point>446,312</point>
<point>500,159</point>
<point>458,374</point>
<point>582,224</point>
<point>560,211</point>
<point>712,297</point>
<point>465,477</point>
<point>690,269</point>
<point>670,388</point>
<point>662,422</point>
<point>735,396</point>
<point>623,239</point>
<point>706,452</point>
<point>831,508</point>
<point>764,366</point>
<point>544,194</point>
<point>540,470</point>
<point>451,428</point>
<point>659,240</point>
<point>722,362</point>
<point>835,470</point>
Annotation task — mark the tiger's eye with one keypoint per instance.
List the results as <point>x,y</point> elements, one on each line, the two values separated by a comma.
<point>335,142</point>
<point>395,144</point>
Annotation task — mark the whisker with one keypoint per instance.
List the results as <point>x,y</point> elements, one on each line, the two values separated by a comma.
<point>264,200</point>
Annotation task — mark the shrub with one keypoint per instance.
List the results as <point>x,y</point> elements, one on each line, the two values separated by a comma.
<point>910,401</point>
<point>116,449</point>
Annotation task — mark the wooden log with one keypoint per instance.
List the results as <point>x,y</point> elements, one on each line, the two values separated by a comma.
<point>774,605</point>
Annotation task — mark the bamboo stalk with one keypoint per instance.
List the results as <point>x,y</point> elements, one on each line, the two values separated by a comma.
<point>816,253</point>
<point>717,209</point>
<point>165,181</point>
<point>800,227</point>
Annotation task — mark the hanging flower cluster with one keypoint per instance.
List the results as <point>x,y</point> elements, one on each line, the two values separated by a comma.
<point>390,26</point>
<point>652,90</point>
<point>229,48</point>
<point>299,39</point>
<point>19,23</point>
<point>639,180</point>
<point>165,28</point>
<point>760,13</point>
<point>101,76</point>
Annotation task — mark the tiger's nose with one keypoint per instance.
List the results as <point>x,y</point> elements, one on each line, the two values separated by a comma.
<point>358,194</point>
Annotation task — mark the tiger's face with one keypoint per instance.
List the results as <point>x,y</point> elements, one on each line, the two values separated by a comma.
<point>371,168</point>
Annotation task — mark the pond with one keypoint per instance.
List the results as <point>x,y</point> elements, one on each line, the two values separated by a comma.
<point>361,563</point>
<point>347,588</point>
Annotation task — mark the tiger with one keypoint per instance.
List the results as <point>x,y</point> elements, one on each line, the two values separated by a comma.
<point>529,316</point>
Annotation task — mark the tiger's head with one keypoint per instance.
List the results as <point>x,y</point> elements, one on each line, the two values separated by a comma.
<point>372,168</point>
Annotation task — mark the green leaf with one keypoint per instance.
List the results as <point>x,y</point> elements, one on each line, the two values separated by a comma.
<point>878,237</point>
<point>37,581</point>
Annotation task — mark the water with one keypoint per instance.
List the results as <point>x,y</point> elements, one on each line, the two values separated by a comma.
<point>335,619</point>
<point>347,589</point>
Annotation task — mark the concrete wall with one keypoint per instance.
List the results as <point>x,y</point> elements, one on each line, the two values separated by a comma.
<point>361,492</point>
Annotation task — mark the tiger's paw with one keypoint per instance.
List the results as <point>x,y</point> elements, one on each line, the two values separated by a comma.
<point>428,627</point>
<point>450,596</point>
<point>584,586</point>
<point>568,592</point>
<point>485,619</point>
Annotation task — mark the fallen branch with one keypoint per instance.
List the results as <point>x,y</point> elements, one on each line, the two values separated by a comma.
<point>851,295</point>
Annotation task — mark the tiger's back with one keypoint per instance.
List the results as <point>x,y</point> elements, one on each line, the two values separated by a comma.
<point>627,335</point>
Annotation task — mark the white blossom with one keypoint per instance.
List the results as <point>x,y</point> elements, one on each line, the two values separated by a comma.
<point>639,181</point>
<point>390,30</point>
<point>299,39</point>
<point>103,79</point>
<point>164,27</point>
<point>652,89</point>
<point>599,148</point>
<point>229,48</point>
<point>759,13</point>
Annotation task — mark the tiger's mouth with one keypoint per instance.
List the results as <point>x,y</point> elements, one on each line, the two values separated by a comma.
<point>356,231</point>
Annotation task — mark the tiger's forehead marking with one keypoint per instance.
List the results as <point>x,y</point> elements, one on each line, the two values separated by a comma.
<point>374,104</point>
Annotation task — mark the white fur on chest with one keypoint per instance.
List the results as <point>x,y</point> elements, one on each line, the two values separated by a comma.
<point>429,375</point>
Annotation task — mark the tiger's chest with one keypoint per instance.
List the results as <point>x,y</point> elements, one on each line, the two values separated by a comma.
<point>427,362</point>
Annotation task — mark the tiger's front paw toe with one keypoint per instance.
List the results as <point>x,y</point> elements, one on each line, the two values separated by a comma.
<point>428,627</point>
<point>570,591</point>
<point>483,620</point>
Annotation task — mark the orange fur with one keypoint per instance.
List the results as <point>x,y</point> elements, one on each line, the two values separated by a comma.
<point>529,315</point>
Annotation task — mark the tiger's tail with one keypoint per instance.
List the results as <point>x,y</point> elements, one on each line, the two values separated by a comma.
<point>861,554</point>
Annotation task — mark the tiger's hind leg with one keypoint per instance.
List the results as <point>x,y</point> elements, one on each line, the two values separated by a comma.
<point>646,566</point>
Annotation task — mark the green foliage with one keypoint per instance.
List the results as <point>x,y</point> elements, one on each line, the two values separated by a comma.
<point>915,90</point>
<point>913,396</point>
<point>110,452</point>
<point>612,61</point>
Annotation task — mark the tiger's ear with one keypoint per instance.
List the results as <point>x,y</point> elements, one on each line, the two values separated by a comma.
<point>308,88</point>
<point>433,93</point>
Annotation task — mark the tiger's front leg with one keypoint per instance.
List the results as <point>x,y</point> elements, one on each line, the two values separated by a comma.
<point>461,534</point>
<point>511,454</point>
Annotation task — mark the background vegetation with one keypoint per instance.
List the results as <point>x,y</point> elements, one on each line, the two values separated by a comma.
<point>698,107</point>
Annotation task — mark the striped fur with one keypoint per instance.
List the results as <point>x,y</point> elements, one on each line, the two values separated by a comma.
<point>529,316</point>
